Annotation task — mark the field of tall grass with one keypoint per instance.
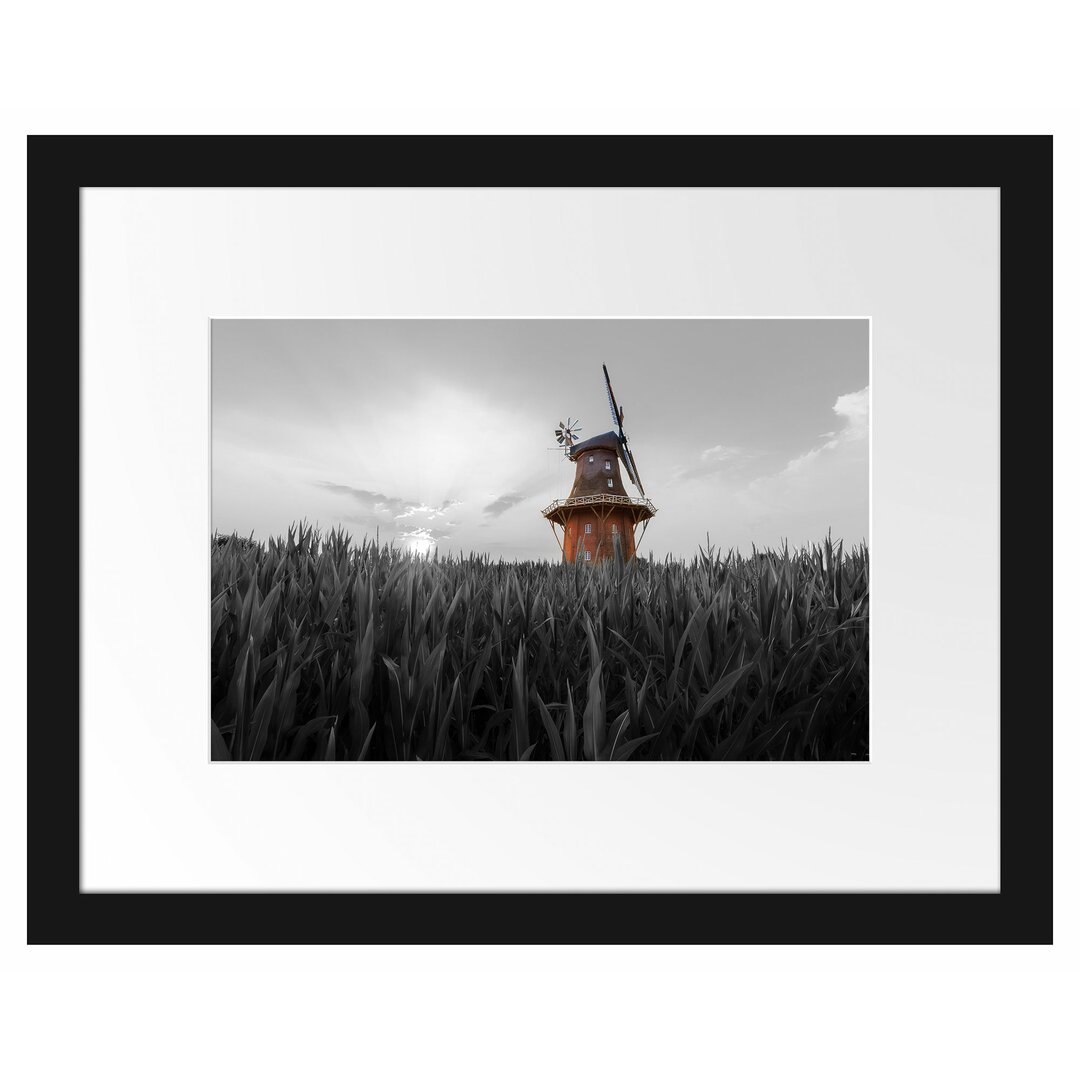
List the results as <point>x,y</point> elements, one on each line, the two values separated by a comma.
<point>327,649</point>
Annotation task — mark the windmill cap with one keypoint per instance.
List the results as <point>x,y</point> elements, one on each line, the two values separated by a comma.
<point>608,441</point>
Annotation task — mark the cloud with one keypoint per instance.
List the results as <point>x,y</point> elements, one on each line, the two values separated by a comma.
<point>854,410</point>
<point>711,460</point>
<point>378,508</point>
<point>719,453</point>
<point>432,512</point>
<point>825,488</point>
<point>525,489</point>
<point>378,503</point>
<point>504,503</point>
<point>374,501</point>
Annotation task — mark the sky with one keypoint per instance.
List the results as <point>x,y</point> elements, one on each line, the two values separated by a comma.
<point>439,433</point>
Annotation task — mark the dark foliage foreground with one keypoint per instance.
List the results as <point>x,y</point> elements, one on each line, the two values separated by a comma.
<point>323,649</point>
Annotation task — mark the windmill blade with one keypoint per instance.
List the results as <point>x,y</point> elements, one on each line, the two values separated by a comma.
<point>616,412</point>
<point>631,467</point>
<point>637,476</point>
<point>626,465</point>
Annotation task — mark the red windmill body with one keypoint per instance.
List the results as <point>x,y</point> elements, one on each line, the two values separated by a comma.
<point>599,519</point>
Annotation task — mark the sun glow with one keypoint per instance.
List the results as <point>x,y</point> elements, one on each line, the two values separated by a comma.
<point>418,541</point>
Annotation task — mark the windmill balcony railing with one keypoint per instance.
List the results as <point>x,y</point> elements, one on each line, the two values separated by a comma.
<point>595,500</point>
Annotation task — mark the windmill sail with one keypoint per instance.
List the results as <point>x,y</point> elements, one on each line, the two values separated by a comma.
<point>631,468</point>
<point>637,476</point>
<point>616,415</point>
<point>624,449</point>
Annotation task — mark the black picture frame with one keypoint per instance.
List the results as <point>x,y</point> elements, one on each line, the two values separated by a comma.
<point>60,166</point>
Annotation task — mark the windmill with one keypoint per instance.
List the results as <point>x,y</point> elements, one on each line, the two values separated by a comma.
<point>599,518</point>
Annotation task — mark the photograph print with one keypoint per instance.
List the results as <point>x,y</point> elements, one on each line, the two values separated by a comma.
<point>564,539</point>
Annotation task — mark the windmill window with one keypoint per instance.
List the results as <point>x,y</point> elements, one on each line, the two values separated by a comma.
<point>611,483</point>
<point>588,527</point>
<point>588,556</point>
<point>607,465</point>
<point>614,528</point>
<point>590,459</point>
